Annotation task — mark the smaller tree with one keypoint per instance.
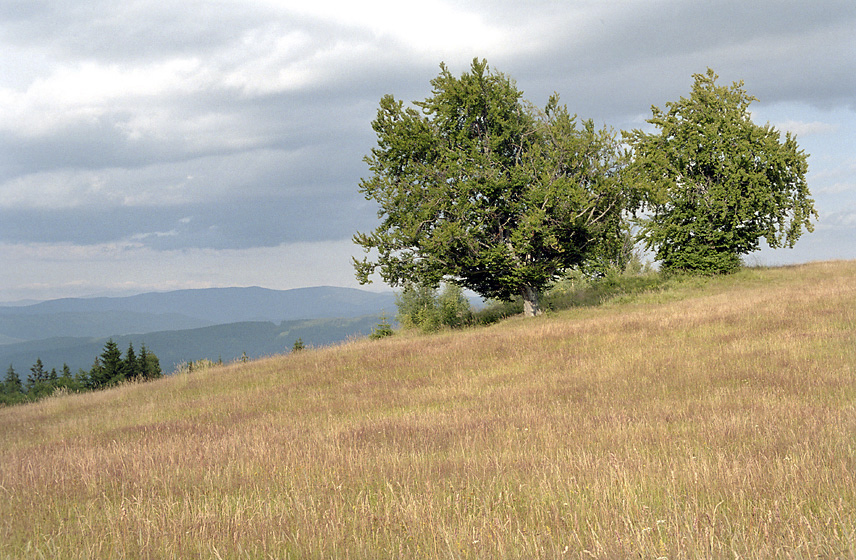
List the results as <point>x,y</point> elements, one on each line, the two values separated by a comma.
<point>720,182</point>
<point>298,345</point>
<point>95,378</point>
<point>420,306</point>
<point>131,368</point>
<point>81,379</point>
<point>108,367</point>
<point>37,376</point>
<point>67,380</point>
<point>382,330</point>
<point>12,383</point>
<point>149,365</point>
<point>12,388</point>
<point>111,362</point>
<point>453,307</point>
<point>417,307</point>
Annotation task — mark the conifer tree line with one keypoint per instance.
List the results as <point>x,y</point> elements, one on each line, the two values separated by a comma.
<point>109,368</point>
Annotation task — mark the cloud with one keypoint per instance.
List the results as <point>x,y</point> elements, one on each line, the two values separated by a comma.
<point>844,219</point>
<point>241,125</point>
<point>123,268</point>
<point>807,128</point>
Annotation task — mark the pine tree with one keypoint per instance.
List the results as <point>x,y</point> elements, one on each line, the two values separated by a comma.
<point>81,379</point>
<point>149,364</point>
<point>12,384</point>
<point>131,368</point>
<point>141,361</point>
<point>37,374</point>
<point>95,377</point>
<point>66,379</point>
<point>111,363</point>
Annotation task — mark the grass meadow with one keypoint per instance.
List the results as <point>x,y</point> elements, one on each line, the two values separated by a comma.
<point>712,419</point>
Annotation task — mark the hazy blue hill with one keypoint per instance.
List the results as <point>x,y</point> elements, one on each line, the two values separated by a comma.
<point>227,342</point>
<point>25,327</point>
<point>184,309</point>
<point>186,325</point>
<point>228,305</point>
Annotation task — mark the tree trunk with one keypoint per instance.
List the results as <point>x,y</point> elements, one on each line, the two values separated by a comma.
<point>531,307</point>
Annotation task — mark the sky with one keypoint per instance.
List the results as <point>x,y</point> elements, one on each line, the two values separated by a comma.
<point>173,144</point>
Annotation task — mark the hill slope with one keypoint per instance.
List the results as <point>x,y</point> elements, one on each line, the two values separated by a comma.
<point>715,419</point>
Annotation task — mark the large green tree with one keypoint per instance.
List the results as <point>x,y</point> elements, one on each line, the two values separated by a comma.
<point>479,188</point>
<point>720,182</point>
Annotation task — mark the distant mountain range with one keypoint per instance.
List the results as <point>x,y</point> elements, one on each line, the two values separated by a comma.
<point>178,326</point>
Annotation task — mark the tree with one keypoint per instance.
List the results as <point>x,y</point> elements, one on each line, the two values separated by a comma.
<point>420,306</point>
<point>12,389</point>
<point>417,307</point>
<point>149,364</point>
<point>12,383</point>
<point>67,380</point>
<point>382,330</point>
<point>81,379</point>
<point>108,367</point>
<point>720,182</point>
<point>95,379</point>
<point>37,376</point>
<point>131,368</point>
<point>481,189</point>
<point>453,307</point>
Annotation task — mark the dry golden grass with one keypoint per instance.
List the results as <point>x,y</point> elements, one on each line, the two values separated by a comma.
<point>714,420</point>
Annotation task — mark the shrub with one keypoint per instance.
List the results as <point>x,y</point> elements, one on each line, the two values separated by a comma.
<point>420,306</point>
<point>382,330</point>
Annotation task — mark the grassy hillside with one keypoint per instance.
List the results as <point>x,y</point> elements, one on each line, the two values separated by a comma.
<point>713,419</point>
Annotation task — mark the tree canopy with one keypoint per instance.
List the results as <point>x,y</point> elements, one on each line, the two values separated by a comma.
<point>479,188</point>
<point>719,183</point>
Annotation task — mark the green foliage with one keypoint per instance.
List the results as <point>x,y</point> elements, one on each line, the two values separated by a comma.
<point>13,391</point>
<point>149,364</point>
<point>579,290</point>
<point>298,345</point>
<point>496,311</point>
<point>131,368</point>
<point>417,307</point>
<point>719,182</point>
<point>420,306</point>
<point>382,330</point>
<point>453,308</point>
<point>12,382</point>
<point>108,369</point>
<point>480,188</point>
<point>37,375</point>
<point>197,365</point>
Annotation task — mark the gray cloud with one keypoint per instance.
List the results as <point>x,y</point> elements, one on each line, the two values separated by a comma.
<point>233,125</point>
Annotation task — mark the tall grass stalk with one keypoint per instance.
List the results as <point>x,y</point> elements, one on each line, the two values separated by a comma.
<point>713,420</point>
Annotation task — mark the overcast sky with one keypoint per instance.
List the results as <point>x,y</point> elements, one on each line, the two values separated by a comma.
<point>158,145</point>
